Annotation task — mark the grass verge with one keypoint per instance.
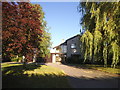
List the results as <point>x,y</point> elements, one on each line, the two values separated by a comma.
<point>99,67</point>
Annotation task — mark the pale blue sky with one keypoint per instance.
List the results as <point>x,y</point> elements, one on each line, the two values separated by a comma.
<point>62,18</point>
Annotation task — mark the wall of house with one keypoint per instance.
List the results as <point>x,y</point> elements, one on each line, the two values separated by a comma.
<point>63,48</point>
<point>53,58</point>
<point>54,50</point>
<point>75,41</point>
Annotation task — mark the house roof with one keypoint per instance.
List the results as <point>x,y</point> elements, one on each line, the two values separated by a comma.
<point>56,47</point>
<point>73,37</point>
<point>65,43</point>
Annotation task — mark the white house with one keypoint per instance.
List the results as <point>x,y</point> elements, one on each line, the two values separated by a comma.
<point>68,49</point>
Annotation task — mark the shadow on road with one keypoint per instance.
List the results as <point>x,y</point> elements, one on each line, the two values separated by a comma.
<point>84,82</point>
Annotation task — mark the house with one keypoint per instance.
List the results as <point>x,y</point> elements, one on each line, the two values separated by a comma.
<point>68,51</point>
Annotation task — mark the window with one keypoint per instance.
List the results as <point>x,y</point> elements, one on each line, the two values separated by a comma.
<point>74,50</point>
<point>65,49</point>
<point>73,45</point>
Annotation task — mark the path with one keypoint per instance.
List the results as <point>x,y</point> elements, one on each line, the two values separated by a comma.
<point>88,78</point>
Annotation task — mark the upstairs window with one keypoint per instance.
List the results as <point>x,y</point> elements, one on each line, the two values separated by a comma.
<point>73,45</point>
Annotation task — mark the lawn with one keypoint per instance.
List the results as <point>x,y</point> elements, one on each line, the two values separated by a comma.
<point>32,76</point>
<point>102,68</point>
<point>99,67</point>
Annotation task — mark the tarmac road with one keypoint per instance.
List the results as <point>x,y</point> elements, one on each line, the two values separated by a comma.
<point>88,78</point>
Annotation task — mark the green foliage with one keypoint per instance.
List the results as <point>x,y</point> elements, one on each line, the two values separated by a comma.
<point>102,20</point>
<point>87,40</point>
<point>16,59</point>
<point>45,44</point>
<point>97,44</point>
<point>105,55</point>
<point>116,54</point>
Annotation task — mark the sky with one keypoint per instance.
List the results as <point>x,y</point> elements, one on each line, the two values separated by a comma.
<point>63,20</point>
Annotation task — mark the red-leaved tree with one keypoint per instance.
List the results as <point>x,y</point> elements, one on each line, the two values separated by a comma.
<point>22,27</point>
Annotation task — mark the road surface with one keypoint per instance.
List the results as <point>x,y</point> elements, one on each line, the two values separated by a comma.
<point>88,78</point>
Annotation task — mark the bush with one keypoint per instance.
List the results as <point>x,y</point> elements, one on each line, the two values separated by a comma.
<point>40,60</point>
<point>6,59</point>
<point>15,59</point>
<point>74,59</point>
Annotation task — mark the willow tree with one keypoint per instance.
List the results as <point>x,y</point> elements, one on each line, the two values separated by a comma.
<point>102,20</point>
<point>87,40</point>
<point>97,45</point>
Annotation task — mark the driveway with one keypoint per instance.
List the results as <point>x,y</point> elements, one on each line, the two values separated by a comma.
<point>88,78</point>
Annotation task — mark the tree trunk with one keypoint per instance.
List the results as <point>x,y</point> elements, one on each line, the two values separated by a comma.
<point>34,57</point>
